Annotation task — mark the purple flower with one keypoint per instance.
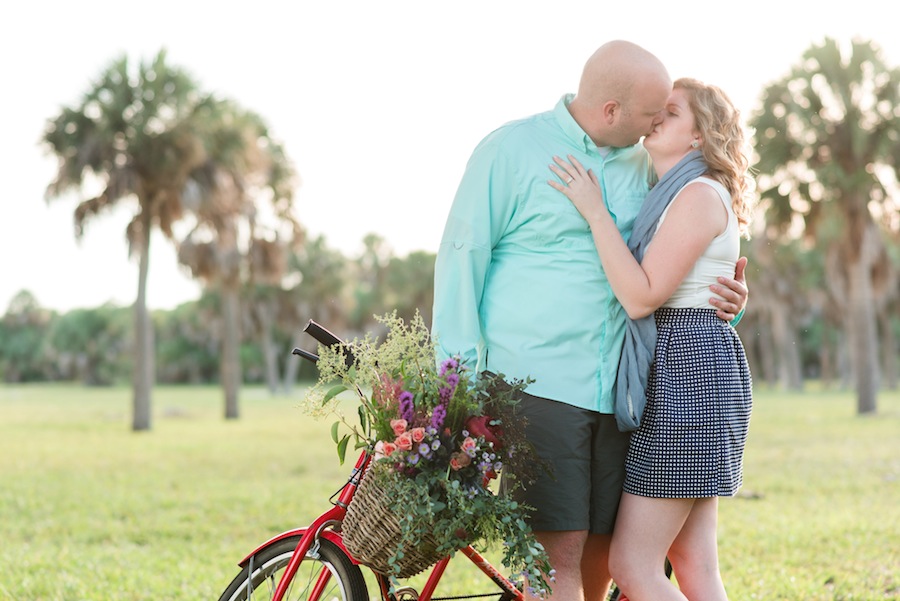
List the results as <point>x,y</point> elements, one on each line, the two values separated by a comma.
<point>438,416</point>
<point>449,364</point>
<point>444,394</point>
<point>424,449</point>
<point>453,380</point>
<point>407,410</point>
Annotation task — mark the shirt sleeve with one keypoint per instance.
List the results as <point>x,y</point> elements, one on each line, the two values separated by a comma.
<point>478,218</point>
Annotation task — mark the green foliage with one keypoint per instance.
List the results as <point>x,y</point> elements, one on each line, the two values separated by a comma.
<point>187,349</point>
<point>91,345</point>
<point>22,334</point>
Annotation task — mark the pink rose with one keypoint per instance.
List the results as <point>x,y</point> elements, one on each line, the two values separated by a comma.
<point>480,426</point>
<point>459,461</point>
<point>418,434</point>
<point>387,448</point>
<point>404,441</point>
<point>398,426</point>
<point>469,446</point>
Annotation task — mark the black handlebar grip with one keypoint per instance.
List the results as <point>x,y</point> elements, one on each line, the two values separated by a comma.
<point>305,354</point>
<point>321,334</point>
<point>327,338</point>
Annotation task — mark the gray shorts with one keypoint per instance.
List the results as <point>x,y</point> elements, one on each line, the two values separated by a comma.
<point>586,453</point>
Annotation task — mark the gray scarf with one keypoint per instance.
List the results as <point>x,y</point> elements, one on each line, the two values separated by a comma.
<point>640,334</point>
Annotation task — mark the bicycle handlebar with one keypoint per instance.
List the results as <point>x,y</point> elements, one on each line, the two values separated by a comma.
<point>326,338</point>
<point>321,334</point>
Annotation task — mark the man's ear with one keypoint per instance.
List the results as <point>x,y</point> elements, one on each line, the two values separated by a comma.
<point>611,110</point>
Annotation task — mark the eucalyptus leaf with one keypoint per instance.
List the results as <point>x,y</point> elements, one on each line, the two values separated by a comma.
<point>342,448</point>
<point>333,392</point>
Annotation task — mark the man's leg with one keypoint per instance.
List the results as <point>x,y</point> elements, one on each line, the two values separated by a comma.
<point>609,447</point>
<point>565,550</point>
<point>595,567</point>
<point>561,435</point>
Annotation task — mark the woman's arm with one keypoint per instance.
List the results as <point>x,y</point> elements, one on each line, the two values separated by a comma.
<point>692,222</point>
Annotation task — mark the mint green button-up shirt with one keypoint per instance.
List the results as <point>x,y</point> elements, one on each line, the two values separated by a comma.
<point>519,288</point>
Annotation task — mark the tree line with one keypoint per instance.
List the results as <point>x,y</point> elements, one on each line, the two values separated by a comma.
<point>93,346</point>
<point>824,257</point>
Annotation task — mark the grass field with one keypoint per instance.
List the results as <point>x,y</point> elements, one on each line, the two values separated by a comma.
<point>91,511</point>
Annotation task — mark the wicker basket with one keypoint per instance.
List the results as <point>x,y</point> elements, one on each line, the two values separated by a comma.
<point>372,533</point>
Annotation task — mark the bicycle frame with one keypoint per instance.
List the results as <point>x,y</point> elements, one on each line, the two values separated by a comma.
<point>321,527</point>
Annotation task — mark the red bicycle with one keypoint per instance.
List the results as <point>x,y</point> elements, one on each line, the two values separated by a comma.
<point>312,563</point>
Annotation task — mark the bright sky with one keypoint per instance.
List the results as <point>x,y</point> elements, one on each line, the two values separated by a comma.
<point>379,104</point>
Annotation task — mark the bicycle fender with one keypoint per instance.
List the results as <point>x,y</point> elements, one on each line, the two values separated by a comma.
<point>328,535</point>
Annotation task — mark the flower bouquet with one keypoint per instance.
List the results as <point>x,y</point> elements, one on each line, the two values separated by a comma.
<point>440,436</point>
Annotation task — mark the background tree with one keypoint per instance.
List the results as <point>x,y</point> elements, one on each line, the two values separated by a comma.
<point>315,288</point>
<point>244,228</point>
<point>409,285</point>
<point>132,139</point>
<point>91,345</point>
<point>828,139</point>
<point>187,342</point>
<point>22,336</point>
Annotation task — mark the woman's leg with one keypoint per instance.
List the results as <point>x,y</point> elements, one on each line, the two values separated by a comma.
<point>694,554</point>
<point>645,529</point>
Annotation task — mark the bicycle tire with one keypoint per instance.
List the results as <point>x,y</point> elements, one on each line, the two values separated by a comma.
<point>346,582</point>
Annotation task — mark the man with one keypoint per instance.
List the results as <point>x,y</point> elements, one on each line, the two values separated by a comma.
<point>519,290</point>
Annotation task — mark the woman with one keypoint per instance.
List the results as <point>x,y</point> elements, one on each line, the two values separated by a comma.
<point>688,449</point>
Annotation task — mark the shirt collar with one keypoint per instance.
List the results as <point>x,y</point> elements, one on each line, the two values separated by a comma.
<point>570,127</point>
<point>573,131</point>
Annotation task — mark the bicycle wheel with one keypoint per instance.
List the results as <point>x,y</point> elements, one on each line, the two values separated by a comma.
<point>614,594</point>
<point>344,580</point>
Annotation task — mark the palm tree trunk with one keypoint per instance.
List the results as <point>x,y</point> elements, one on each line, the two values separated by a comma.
<point>888,348</point>
<point>789,370</point>
<point>267,343</point>
<point>291,367</point>
<point>143,337</point>
<point>862,334</point>
<point>231,360</point>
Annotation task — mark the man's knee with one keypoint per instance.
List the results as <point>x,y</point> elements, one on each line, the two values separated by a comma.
<point>565,548</point>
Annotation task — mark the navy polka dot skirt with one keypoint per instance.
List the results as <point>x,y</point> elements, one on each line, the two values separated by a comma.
<point>691,440</point>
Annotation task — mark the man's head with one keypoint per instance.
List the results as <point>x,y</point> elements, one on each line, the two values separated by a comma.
<point>622,94</point>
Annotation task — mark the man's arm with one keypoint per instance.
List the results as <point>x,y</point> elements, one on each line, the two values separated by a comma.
<point>478,217</point>
<point>734,293</point>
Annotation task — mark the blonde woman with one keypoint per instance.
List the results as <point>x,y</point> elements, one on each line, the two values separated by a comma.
<point>687,448</point>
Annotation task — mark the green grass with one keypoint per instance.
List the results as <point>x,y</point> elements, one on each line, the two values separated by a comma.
<point>92,511</point>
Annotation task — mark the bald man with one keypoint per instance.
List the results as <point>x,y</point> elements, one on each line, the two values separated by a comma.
<point>519,290</point>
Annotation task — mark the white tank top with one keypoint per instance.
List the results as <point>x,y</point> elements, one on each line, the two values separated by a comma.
<point>718,259</point>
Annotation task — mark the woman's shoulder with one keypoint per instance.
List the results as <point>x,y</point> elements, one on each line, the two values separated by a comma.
<point>701,188</point>
<point>705,187</point>
<point>697,203</point>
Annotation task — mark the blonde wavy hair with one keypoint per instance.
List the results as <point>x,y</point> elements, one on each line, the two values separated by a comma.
<point>724,145</point>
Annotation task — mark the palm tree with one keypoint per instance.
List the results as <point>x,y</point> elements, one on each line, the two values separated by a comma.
<point>828,140</point>
<point>244,227</point>
<point>316,287</point>
<point>134,138</point>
